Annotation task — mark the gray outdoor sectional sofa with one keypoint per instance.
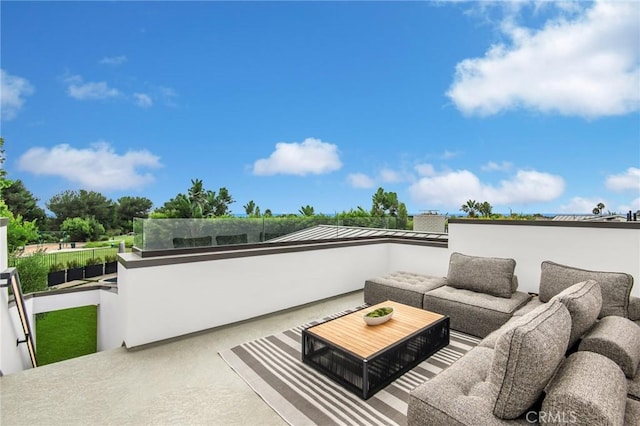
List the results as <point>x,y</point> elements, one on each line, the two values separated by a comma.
<point>570,354</point>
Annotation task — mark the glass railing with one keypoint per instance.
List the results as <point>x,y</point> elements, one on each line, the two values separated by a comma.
<point>169,234</point>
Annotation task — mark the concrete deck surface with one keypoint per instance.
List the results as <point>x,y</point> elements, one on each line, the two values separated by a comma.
<point>182,382</point>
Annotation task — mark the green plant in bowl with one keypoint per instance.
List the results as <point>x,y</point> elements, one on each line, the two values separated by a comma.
<point>378,316</point>
<point>380,312</point>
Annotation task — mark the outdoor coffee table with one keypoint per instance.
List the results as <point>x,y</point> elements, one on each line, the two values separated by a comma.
<point>365,359</point>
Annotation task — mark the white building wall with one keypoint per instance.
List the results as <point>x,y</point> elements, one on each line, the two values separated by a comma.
<point>594,248</point>
<point>11,359</point>
<point>161,302</point>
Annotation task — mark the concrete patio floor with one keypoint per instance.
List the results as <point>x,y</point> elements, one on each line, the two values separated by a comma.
<point>179,382</point>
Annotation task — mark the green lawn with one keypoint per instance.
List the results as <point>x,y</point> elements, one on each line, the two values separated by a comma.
<point>66,334</point>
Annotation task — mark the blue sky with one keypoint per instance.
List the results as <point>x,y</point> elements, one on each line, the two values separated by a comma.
<point>532,106</point>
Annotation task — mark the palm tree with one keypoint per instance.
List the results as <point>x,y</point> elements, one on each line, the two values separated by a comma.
<point>471,207</point>
<point>250,208</point>
<point>306,210</point>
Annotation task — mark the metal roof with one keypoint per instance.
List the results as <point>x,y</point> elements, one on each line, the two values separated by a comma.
<point>590,218</point>
<point>330,232</point>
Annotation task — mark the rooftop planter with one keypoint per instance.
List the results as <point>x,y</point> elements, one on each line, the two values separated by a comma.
<point>57,274</point>
<point>110,264</point>
<point>74,271</point>
<point>94,267</point>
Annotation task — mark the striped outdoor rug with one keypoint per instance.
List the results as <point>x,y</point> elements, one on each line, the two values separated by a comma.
<point>273,368</point>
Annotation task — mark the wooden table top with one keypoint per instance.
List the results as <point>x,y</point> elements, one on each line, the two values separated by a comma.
<point>350,332</point>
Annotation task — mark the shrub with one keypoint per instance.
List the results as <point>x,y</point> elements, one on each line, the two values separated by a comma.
<point>72,264</point>
<point>110,258</point>
<point>94,261</point>
<point>33,273</point>
<point>55,267</point>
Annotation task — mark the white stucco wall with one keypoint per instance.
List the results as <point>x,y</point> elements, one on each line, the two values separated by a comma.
<point>161,302</point>
<point>593,248</point>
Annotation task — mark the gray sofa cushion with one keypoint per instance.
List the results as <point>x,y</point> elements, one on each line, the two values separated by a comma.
<point>618,339</point>
<point>584,301</point>
<point>526,357</point>
<point>490,275</point>
<point>516,321</point>
<point>588,389</point>
<point>460,395</point>
<point>530,306</point>
<point>632,413</point>
<point>615,286</point>
<point>473,313</point>
<point>404,287</point>
<point>633,387</point>
<point>634,308</point>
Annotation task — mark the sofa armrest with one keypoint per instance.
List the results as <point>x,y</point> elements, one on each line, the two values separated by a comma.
<point>634,308</point>
<point>588,389</point>
<point>618,339</point>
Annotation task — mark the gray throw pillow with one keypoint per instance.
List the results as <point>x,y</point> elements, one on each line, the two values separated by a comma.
<point>525,358</point>
<point>583,301</point>
<point>614,286</point>
<point>490,275</point>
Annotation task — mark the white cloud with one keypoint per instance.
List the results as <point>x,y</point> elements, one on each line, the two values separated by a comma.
<point>143,100</point>
<point>13,90</point>
<point>360,180</point>
<point>392,176</point>
<point>453,188</point>
<point>634,206</point>
<point>630,180</point>
<point>98,167</point>
<point>587,67</point>
<point>581,205</point>
<point>309,157</point>
<point>113,60</point>
<point>491,166</point>
<point>80,90</point>
<point>425,169</point>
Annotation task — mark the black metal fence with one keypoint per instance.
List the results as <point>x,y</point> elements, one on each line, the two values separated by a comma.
<point>64,257</point>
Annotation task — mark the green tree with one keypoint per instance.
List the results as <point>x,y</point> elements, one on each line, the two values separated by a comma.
<point>21,201</point>
<point>307,210</point>
<point>384,203</point>
<point>471,207</point>
<point>84,204</point>
<point>251,209</point>
<point>82,229</point>
<point>197,203</point>
<point>19,231</point>
<point>130,207</point>
<point>485,209</point>
<point>4,182</point>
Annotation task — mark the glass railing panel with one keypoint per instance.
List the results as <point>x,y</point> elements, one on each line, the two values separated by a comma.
<point>169,234</point>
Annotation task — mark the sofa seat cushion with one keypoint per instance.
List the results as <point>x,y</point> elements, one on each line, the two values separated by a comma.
<point>588,389</point>
<point>460,395</point>
<point>471,312</point>
<point>533,303</point>
<point>584,301</point>
<point>525,358</point>
<point>403,287</point>
<point>615,286</point>
<point>618,339</point>
<point>490,275</point>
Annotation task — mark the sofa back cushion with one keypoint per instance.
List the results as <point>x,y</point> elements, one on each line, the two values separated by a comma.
<point>490,275</point>
<point>588,389</point>
<point>584,302</point>
<point>526,357</point>
<point>614,286</point>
